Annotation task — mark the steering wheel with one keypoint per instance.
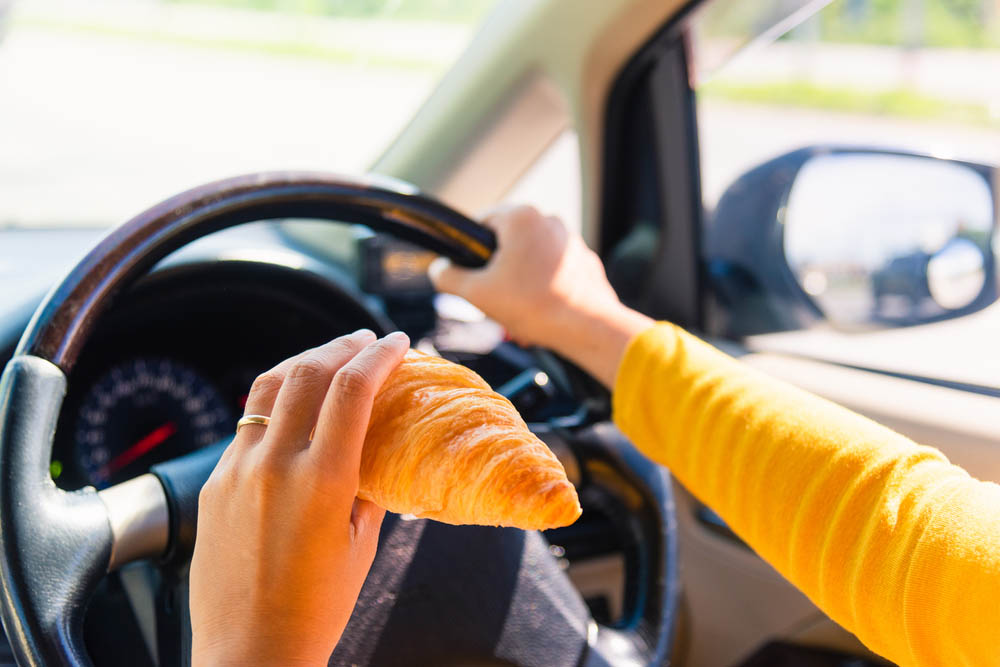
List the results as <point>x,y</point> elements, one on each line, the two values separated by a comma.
<point>436,594</point>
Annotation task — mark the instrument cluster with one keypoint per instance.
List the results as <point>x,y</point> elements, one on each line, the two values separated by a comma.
<point>142,411</point>
<point>169,368</point>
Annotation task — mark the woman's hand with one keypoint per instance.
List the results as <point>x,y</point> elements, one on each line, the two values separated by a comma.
<point>546,287</point>
<point>283,544</point>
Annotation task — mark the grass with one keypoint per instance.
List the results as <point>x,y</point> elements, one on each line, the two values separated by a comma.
<point>900,102</point>
<point>929,23</point>
<point>440,11</point>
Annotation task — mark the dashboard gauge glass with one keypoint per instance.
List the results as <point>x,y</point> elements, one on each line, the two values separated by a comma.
<point>144,411</point>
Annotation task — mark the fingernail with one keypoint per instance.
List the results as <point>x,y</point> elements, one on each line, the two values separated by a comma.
<point>398,338</point>
<point>437,267</point>
<point>363,332</point>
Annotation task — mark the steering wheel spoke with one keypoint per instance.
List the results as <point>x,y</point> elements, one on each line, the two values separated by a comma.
<point>139,518</point>
<point>55,545</point>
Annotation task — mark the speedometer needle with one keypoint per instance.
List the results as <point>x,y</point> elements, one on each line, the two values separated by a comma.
<point>148,443</point>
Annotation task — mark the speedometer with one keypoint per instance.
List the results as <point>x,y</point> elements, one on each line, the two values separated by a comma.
<point>142,412</point>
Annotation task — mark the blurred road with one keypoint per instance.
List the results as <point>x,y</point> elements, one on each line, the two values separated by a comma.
<point>960,75</point>
<point>95,129</point>
<point>735,137</point>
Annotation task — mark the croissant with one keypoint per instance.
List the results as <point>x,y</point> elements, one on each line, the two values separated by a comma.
<point>442,445</point>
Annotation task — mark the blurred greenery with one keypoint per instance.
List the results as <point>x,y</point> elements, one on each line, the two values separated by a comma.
<point>458,11</point>
<point>940,23</point>
<point>898,102</point>
<point>912,23</point>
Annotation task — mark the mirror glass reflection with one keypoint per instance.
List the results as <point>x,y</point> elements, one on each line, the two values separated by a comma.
<point>881,239</point>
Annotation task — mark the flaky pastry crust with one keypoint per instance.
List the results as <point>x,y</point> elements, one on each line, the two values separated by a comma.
<point>443,445</point>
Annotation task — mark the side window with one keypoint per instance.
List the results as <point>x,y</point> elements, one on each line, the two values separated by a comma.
<point>848,183</point>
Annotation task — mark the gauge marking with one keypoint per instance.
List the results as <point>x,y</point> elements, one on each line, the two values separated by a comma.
<point>144,411</point>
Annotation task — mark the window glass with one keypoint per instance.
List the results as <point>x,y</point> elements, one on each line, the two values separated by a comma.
<point>873,257</point>
<point>110,106</point>
<point>857,71</point>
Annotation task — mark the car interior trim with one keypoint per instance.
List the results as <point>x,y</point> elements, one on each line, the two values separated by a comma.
<point>677,262</point>
<point>657,75</point>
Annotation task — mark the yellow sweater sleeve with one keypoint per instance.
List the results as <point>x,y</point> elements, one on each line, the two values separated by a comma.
<point>886,536</point>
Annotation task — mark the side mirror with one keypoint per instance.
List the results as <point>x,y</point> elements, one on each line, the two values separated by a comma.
<point>856,238</point>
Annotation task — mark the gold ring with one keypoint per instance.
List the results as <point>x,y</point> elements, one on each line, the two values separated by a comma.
<point>263,420</point>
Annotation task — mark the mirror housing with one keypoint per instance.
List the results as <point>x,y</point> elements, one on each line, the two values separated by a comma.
<point>856,238</point>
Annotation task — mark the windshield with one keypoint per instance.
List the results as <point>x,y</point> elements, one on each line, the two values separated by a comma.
<point>109,107</point>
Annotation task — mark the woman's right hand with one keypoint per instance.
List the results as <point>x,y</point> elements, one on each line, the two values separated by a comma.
<point>546,287</point>
<point>284,544</point>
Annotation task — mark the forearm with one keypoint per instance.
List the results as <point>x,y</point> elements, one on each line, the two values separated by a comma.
<point>596,340</point>
<point>887,537</point>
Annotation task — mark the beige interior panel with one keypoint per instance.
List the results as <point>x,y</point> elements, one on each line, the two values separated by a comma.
<point>531,119</point>
<point>601,577</point>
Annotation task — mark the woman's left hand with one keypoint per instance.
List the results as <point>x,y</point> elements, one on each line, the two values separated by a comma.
<point>283,545</point>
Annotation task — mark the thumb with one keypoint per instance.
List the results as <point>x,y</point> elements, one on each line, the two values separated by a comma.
<point>366,520</point>
<point>447,277</point>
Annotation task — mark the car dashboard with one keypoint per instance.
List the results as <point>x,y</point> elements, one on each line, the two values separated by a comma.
<point>168,367</point>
